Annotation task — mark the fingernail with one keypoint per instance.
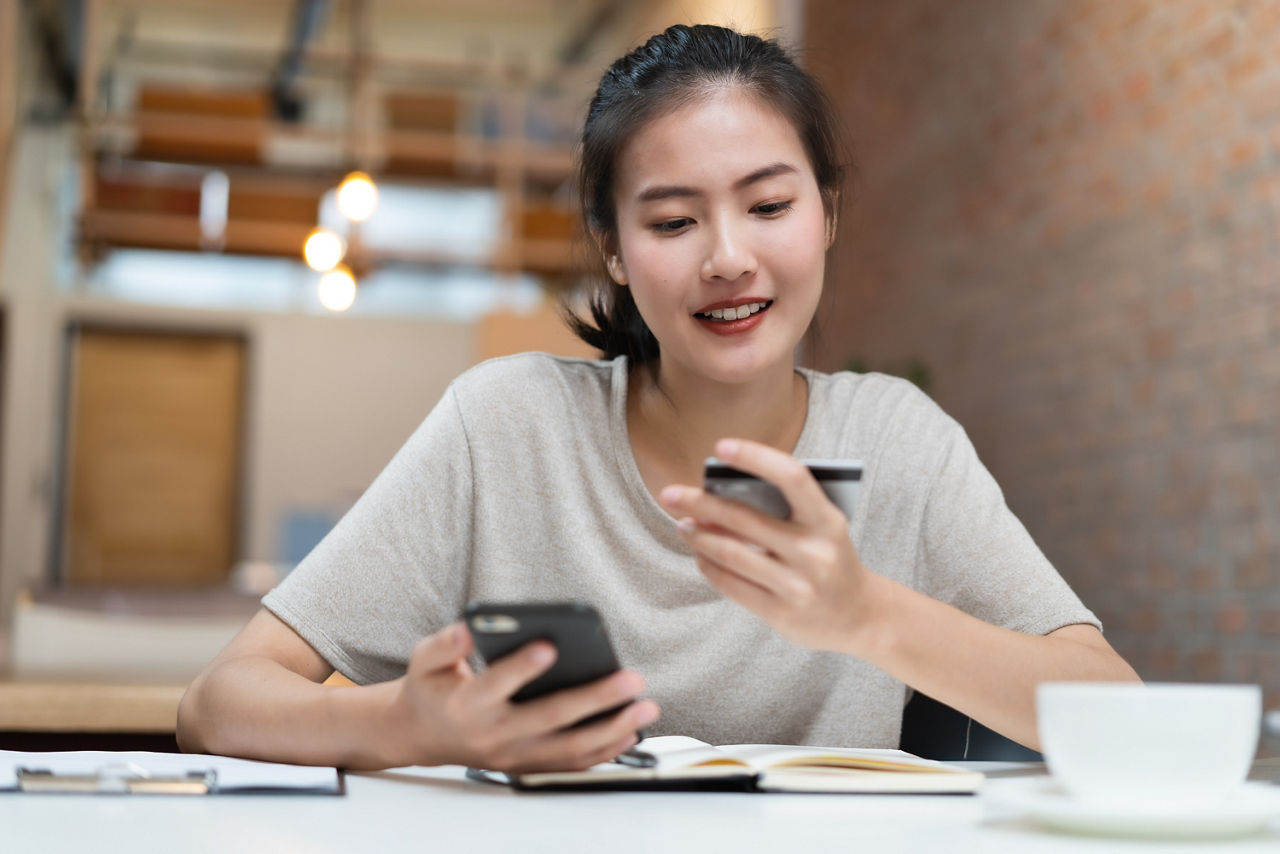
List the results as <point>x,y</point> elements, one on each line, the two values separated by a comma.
<point>647,715</point>
<point>455,634</point>
<point>631,683</point>
<point>542,654</point>
<point>726,449</point>
<point>686,525</point>
<point>670,494</point>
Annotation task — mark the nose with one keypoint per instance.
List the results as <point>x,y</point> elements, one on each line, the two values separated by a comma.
<point>729,254</point>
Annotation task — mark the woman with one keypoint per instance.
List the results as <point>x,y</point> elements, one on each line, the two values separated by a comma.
<point>710,182</point>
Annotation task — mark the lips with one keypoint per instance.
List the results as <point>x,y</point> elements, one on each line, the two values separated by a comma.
<point>733,309</point>
<point>733,318</point>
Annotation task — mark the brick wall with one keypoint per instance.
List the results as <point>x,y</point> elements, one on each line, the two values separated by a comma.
<point>1068,212</point>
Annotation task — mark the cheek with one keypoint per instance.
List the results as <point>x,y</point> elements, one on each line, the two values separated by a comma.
<point>654,270</point>
<point>644,262</point>
<point>655,259</point>
<point>800,251</point>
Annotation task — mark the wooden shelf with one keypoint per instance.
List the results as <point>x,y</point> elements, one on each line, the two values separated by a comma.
<point>285,239</point>
<point>201,138</point>
<point>165,231</point>
<point>549,255</point>
<point>68,707</point>
<point>427,138</point>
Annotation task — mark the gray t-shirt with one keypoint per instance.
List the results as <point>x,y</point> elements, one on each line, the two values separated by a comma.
<point>521,485</point>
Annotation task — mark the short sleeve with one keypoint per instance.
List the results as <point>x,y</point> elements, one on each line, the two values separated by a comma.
<point>979,557</point>
<point>394,568</point>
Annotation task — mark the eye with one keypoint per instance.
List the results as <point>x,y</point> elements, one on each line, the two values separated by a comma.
<point>772,208</point>
<point>672,226</point>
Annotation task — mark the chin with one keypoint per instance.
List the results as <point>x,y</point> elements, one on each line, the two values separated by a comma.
<point>737,372</point>
<point>724,364</point>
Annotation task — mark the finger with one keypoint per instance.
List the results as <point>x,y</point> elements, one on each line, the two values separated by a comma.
<point>585,746</point>
<point>743,559</point>
<point>444,650</point>
<point>750,596</point>
<point>512,672</point>
<point>726,514</point>
<point>809,504</point>
<point>567,707</point>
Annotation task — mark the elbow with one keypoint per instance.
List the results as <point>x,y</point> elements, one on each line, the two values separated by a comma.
<point>189,729</point>
<point>186,731</point>
<point>1128,674</point>
<point>1110,666</point>
<point>1089,658</point>
<point>1115,669</point>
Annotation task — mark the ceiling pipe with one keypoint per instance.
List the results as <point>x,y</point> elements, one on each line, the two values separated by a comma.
<point>577,47</point>
<point>308,18</point>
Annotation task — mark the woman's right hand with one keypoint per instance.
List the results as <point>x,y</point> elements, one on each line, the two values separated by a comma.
<point>444,713</point>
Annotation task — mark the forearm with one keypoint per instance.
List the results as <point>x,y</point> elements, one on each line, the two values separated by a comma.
<point>984,671</point>
<point>254,707</point>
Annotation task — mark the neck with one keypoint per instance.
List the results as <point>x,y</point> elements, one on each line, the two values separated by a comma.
<point>681,417</point>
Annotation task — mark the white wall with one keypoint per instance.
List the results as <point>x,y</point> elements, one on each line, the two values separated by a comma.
<point>331,400</point>
<point>640,20</point>
<point>328,399</point>
<point>28,433</point>
<point>755,16</point>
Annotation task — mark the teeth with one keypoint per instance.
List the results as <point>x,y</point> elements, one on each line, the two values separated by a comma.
<point>734,313</point>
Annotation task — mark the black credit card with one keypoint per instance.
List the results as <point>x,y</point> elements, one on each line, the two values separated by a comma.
<point>839,479</point>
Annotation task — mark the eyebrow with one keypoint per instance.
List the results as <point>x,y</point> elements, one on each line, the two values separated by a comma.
<point>656,194</point>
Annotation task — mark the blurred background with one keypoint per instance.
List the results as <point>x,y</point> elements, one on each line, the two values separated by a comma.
<point>245,245</point>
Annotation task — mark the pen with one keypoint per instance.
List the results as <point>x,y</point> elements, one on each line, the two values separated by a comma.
<point>636,758</point>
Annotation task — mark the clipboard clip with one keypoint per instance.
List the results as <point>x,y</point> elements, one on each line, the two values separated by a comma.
<point>119,778</point>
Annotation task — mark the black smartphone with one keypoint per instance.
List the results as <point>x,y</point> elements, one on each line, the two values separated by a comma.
<point>839,479</point>
<point>583,651</point>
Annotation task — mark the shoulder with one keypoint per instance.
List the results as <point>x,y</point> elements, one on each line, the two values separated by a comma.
<point>530,386</point>
<point>526,373</point>
<point>888,422</point>
<point>877,400</point>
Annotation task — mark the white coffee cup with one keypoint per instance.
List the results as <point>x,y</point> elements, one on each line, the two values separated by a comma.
<point>1155,746</point>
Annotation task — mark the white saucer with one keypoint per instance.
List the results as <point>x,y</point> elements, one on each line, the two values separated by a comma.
<point>1247,811</point>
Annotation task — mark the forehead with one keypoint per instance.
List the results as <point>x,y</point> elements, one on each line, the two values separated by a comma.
<point>709,143</point>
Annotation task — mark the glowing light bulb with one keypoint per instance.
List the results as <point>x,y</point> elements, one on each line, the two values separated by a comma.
<point>337,289</point>
<point>323,249</point>
<point>357,197</point>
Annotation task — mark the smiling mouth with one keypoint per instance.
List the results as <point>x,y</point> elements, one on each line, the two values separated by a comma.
<point>727,314</point>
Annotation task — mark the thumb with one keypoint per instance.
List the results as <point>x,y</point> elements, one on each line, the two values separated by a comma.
<point>444,650</point>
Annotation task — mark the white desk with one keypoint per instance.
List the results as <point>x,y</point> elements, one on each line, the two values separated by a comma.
<point>436,810</point>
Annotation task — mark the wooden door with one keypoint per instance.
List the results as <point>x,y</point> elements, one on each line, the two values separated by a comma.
<point>153,458</point>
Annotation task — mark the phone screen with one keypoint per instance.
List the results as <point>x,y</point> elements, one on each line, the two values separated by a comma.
<point>583,651</point>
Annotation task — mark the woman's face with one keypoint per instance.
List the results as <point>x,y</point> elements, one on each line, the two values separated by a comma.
<point>721,236</point>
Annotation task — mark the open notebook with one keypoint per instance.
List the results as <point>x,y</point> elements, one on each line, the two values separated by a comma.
<point>684,762</point>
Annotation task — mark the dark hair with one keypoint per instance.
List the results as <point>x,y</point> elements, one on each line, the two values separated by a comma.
<point>670,69</point>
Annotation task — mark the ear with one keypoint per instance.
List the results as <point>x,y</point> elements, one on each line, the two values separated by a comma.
<point>608,249</point>
<point>617,272</point>
<point>832,220</point>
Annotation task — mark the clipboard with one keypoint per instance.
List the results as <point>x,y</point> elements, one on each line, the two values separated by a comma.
<point>142,773</point>
<point>128,778</point>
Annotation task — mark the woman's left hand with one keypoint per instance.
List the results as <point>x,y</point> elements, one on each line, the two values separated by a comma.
<point>801,575</point>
